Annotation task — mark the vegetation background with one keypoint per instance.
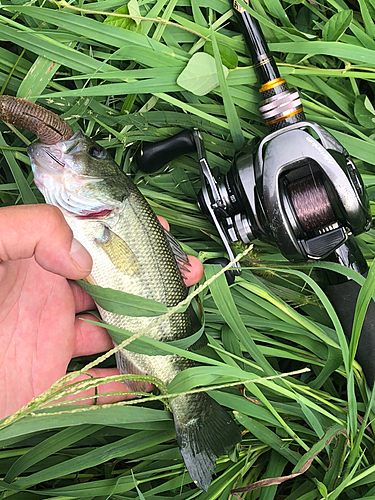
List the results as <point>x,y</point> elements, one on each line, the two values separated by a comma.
<point>179,64</point>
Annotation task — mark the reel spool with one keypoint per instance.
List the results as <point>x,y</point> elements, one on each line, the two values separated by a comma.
<point>311,204</point>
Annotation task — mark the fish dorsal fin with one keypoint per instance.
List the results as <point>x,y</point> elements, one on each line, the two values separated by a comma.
<point>119,252</point>
<point>180,256</point>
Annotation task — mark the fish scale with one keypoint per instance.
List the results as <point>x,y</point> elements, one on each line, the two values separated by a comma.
<point>133,253</point>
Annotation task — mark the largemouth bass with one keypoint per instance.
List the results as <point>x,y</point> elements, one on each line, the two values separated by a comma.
<point>132,252</point>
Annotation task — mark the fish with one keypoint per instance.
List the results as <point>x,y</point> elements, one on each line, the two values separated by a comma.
<point>132,252</point>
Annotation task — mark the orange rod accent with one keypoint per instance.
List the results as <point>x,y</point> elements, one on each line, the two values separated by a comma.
<point>271,84</point>
<point>299,110</point>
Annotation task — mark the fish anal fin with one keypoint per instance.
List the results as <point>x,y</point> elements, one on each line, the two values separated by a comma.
<point>125,366</point>
<point>119,252</point>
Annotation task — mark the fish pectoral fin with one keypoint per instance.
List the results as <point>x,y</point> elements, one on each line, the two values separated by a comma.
<point>180,256</point>
<point>127,367</point>
<point>119,252</point>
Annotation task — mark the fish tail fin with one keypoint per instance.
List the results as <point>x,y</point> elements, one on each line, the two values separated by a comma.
<point>205,431</point>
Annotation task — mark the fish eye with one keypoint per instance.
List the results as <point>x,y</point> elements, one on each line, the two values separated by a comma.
<point>97,152</point>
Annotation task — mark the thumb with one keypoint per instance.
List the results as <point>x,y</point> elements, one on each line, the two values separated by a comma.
<point>41,231</point>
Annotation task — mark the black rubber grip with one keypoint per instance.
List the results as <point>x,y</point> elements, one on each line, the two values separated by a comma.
<point>344,298</point>
<point>152,157</point>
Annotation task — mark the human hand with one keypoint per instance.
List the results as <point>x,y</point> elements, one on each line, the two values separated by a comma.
<point>40,308</point>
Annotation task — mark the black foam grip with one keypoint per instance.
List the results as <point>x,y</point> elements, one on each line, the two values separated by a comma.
<point>344,298</point>
<point>152,157</point>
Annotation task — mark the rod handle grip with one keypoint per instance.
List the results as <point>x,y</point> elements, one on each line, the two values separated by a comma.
<point>343,297</point>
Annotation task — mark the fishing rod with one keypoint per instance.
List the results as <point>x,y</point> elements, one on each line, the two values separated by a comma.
<point>296,188</point>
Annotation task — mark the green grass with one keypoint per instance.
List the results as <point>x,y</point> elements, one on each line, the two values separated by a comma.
<point>277,356</point>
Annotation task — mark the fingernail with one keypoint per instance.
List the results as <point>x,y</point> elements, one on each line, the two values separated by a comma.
<point>80,256</point>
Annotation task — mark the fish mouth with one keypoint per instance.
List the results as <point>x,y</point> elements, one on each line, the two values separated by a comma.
<point>61,186</point>
<point>45,157</point>
<point>60,183</point>
<point>54,158</point>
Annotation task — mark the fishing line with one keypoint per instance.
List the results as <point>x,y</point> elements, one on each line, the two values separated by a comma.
<point>311,203</point>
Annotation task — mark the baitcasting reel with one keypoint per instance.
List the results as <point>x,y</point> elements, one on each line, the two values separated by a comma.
<point>297,188</point>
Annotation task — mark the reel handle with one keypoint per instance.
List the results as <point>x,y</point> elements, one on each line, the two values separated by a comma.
<point>343,297</point>
<point>152,157</point>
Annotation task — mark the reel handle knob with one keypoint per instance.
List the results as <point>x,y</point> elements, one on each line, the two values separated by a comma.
<point>152,157</point>
<point>229,275</point>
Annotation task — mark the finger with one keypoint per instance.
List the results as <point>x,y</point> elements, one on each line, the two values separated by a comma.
<point>163,222</point>
<point>194,272</point>
<point>90,338</point>
<point>82,299</point>
<point>42,231</point>
<point>100,390</point>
